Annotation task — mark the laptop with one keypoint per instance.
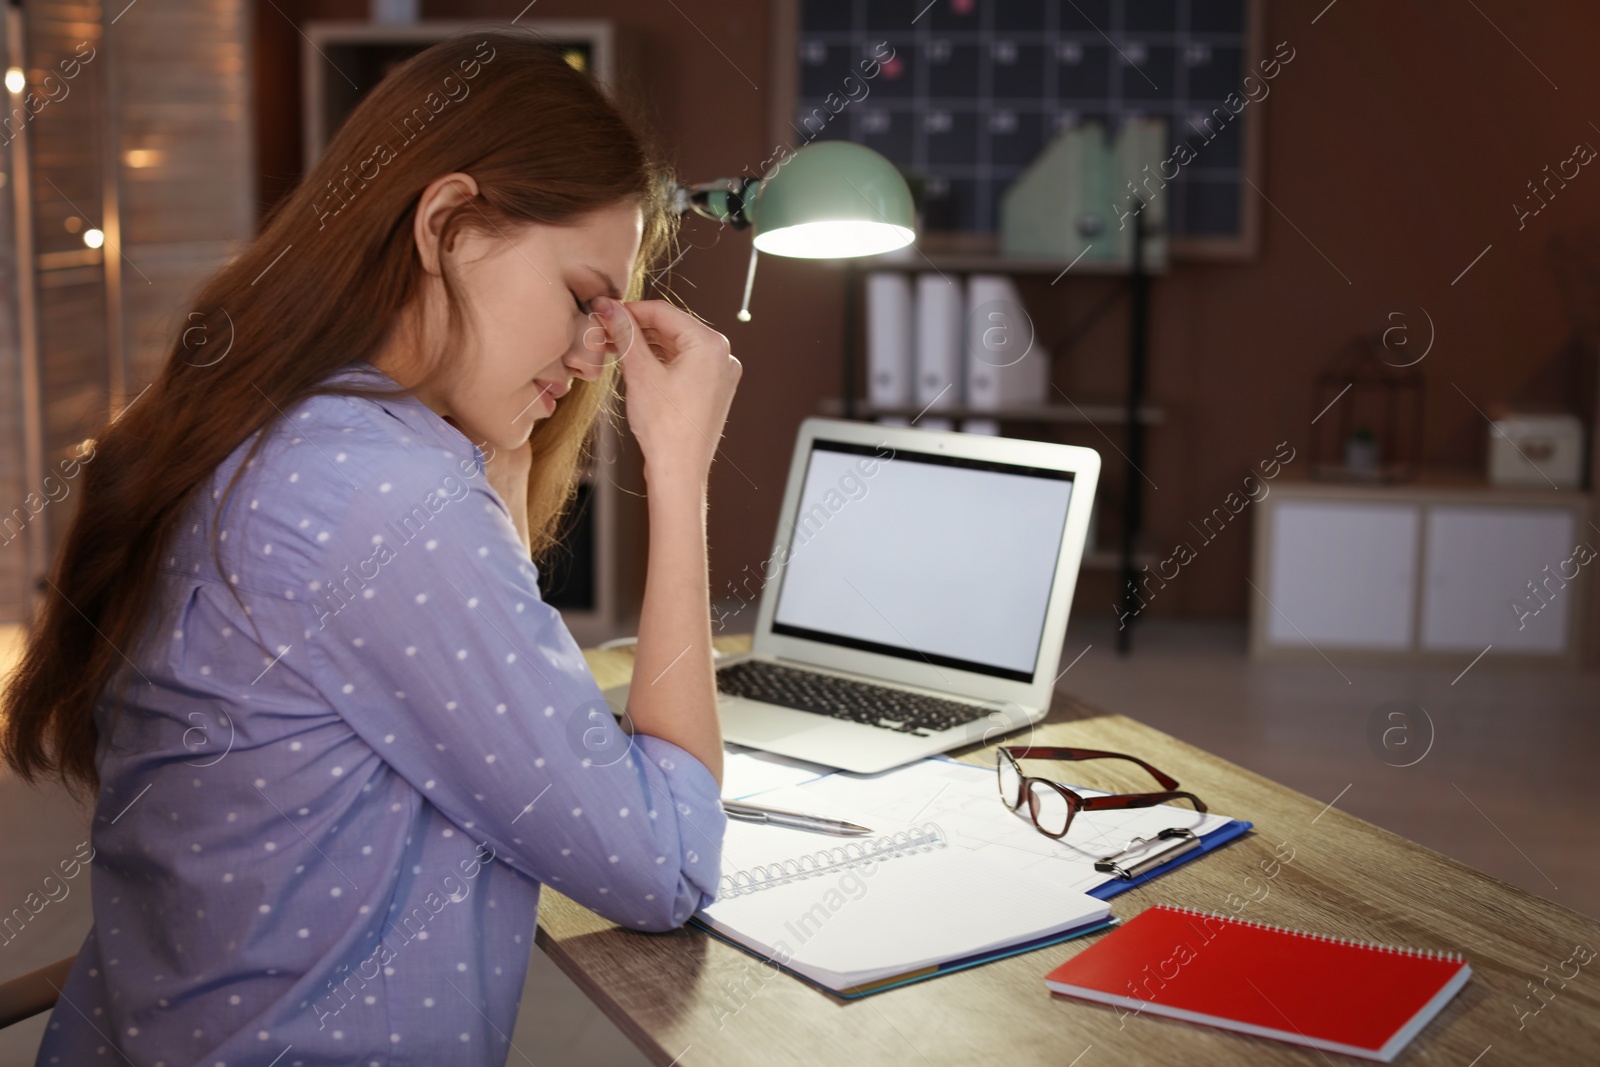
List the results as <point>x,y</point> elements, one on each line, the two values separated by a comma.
<point>915,599</point>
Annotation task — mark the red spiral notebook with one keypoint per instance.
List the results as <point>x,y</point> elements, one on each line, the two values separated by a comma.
<point>1328,993</point>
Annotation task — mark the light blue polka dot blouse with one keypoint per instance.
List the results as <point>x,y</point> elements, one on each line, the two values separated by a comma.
<point>327,806</point>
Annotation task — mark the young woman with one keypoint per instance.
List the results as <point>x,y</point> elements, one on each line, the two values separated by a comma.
<point>294,638</point>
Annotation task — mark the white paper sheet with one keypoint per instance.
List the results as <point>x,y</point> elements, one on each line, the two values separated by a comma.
<point>964,802</point>
<point>747,772</point>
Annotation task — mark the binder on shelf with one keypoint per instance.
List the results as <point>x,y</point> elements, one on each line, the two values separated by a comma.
<point>1006,367</point>
<point>941,305</point>
<point>890,332</point>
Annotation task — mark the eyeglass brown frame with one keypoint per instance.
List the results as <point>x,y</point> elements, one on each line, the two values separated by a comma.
<point>1076,802</point>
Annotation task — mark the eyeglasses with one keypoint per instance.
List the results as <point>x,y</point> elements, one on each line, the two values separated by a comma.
<point>1052,805</point>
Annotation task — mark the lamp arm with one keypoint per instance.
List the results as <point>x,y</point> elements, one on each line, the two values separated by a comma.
<point>723,200</point>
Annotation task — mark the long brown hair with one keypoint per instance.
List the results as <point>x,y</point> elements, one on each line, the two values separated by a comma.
<point>322,286</point>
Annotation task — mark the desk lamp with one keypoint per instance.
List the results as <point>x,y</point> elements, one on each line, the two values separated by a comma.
<point>830,200</point>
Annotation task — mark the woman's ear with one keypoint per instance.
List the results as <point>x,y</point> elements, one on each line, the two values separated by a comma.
<point>438,200</point>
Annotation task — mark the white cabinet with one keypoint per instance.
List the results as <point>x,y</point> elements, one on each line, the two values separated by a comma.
<point>1482,565</point>
<point>1419,570</point>
<point>1341,575</point>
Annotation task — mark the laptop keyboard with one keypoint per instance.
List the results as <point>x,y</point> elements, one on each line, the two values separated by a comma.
<point>844,698</point>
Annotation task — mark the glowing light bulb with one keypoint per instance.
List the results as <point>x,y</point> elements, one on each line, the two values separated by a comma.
<point>93,238</point>
<point>835,239</point>
<point>16,81</point>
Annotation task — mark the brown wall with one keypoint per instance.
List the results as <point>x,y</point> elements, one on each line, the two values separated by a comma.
<point>1396,141</point>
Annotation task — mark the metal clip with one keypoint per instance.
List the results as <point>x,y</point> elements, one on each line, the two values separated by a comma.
<point>1178,841</point>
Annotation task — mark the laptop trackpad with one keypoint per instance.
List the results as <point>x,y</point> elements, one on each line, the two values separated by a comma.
<point>749,722</point>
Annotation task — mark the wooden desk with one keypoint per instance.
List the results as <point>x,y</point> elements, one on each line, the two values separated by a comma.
<point>684,997</point>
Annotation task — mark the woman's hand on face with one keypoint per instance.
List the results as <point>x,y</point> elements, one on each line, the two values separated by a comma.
<point>680,382</point>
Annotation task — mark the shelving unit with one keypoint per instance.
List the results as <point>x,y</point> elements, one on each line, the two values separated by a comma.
<point>1131,413</point>
<point>1093,414</point>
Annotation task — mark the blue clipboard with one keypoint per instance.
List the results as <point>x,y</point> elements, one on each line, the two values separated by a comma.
<point>1215,839</point>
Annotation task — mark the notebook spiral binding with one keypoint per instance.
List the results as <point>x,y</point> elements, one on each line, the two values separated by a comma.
<point>1423,953</point>
<point>842,857</point>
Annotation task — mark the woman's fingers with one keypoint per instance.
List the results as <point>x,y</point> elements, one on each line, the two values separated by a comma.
<point>659,346</point>
<point>657,326</point>
<point>618,324</point>
<point>618,332</point>
<point>680,379</point>
<point>674,327</point>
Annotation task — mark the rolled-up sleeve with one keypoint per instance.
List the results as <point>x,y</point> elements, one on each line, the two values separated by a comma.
<point>427,634</point>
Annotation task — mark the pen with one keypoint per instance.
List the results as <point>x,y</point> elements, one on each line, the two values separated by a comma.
<point>795,819</point>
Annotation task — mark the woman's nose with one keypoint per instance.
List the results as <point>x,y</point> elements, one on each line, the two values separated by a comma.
<point>586,363</point>
<point>588,357</point>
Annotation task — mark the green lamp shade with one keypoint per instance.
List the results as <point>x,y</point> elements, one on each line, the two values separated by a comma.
<point>833,200</point>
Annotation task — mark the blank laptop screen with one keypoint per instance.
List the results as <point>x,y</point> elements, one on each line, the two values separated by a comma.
<point>926,557</point>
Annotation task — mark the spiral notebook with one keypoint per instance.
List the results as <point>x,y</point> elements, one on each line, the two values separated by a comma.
<point>864,916</point>
<point>1328,993</point>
